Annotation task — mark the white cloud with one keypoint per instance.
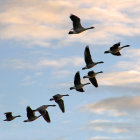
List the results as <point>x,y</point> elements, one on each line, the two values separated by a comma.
<point>27,81</point>
<point>133,64</point>
<point>41,21</point>
<point>100,138</point>
<point>61,73</point>
<point>43,63</point>
<point>123,78</point>
<point>122,128</point>
<point>120,106</point>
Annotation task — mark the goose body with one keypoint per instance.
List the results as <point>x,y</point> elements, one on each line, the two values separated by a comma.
<point>77,83</point>
<point>10,117</point>
<point>115,49</point>
<point>77,27</point>
<point>44,113</point>
<point>88,59</point>
<point>58,99</point>
<point>92,77</point>
<point>31,115</point>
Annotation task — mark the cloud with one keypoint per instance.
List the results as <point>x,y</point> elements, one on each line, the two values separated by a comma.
<point>27,81</point>
<point>127,74</point>
<point>18,64</point>
<point>120,106</point>
<point>109,126</point>
<point>133,64</point>
<point>100,138</point>
<point>124,78</point>
<point>61,73</point>
<point>124,129</point>
<point>40,22</point>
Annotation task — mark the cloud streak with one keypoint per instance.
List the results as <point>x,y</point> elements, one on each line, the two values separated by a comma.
<point>18,64</point>
<point>116,106</point>
<point>41,21</point>
<point>123,129</point>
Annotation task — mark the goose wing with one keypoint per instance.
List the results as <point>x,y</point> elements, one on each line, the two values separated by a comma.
<point>46,116</point>
<point>77,79</point>
<point>76,21</point>
<point>115,46</point>
<point>81,90</point>
<point>93,81</point>
<point>30,113</point>
<point>8,115</point>
<point>61,105</point>
<point>117,54</point>
<point>87,54</point>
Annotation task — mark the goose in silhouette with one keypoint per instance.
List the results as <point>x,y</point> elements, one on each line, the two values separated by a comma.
<point>42,110</point>
<point>88,60</point>
<point>77,83</point>
<point>115,49</point>
<point>10,117</point>
<point>58,99</point>
<point>77,27</point>
<point>92,77</point>
<point>31,115</point>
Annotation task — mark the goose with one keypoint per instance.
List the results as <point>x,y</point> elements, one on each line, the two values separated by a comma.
<point>31,115</point>
<point>44,113</point>
<point>115,49</point>
<point>77,83</point>
<point>9,116</point>
<point>88,60</point>
<point>92,77</point>
<point>58,99</point>
<point>77,27</point>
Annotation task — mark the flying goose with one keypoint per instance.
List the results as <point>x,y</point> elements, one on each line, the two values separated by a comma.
<point>31,115</point>
<point>77,83</point>
<point>115,49</point>
<point>92,77</point>
<point>88,60</point>
<point>77,27</point>
<point>44,113</point>
<point>58,99</point>
<point>10,117</point>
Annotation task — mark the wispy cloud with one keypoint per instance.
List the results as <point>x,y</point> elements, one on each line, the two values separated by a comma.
<point>123,78</point>
<point>43,63</point>
<point>27,81</point>
<point>100,138</point>
<point>61,73</point>
<point>133,64</point>
<point>120,106</point>
<point>41,21</point>
<point>122,128</point>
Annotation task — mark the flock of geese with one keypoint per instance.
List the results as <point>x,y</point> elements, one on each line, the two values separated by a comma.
<point>77,28</point>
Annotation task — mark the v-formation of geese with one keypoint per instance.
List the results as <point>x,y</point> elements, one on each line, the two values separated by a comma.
<point>77,28</point>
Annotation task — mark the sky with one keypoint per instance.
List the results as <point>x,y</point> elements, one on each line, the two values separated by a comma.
<point>38,59</point>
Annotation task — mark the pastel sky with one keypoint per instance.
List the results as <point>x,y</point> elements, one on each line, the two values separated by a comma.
<point>39,59</point>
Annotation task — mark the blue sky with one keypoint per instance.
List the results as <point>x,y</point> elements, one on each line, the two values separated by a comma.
<point>39,59</point>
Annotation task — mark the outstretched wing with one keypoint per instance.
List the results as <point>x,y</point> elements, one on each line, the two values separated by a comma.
<point>81,90</point>
<point>76,21</point>
<point>61,105</point>
<point>88,59</point>
<point>8,115</point>
<point>46,116</point>
<point>115,46</point>
<point>30,113</point>
<point>93,81</point>
<point>77,79</point>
